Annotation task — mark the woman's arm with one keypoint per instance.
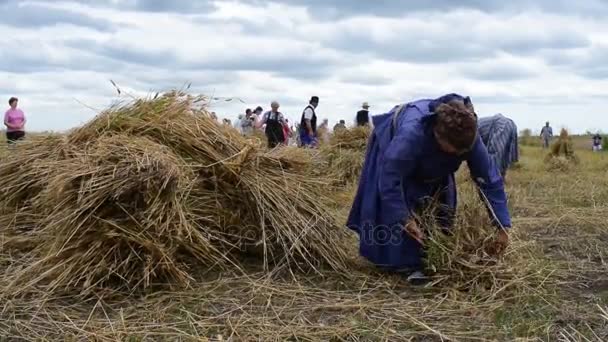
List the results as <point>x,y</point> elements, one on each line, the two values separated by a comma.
<point>6,123</point>
<point>490,183</point>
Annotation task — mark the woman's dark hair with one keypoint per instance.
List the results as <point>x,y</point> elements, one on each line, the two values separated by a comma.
<point>248,111</point>
<point>11,100</point>
<point>456,124</point>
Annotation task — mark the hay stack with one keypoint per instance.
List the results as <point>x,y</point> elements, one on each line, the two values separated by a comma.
<point>561,157</point>
<point>346,153</point>
<point>143,191</point>
<point>353,138</point>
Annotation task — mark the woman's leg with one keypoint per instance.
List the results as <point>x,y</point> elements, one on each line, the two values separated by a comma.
<point>11,138</point>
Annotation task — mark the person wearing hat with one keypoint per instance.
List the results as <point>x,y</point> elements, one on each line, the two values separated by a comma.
<point>308,124</point>
<point>363,115</point>
<point>274,122</point>
<point>413,154</point>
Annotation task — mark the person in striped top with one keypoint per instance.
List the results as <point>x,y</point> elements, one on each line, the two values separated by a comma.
<point>499,134</point>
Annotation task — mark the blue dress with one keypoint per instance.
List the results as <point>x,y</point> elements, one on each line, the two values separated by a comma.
<point>403,167</point>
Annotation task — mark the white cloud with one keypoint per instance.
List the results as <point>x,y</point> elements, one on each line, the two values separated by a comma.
<point>525,60</point>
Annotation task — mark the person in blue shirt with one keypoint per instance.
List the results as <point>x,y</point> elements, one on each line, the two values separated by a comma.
<point>499,134</point>
<point>412,155</point>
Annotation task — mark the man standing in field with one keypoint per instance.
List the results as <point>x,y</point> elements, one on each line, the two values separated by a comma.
<point>363,116</point>
<point>546,134</point>
<point>499,134</point>
<point>308,123</point>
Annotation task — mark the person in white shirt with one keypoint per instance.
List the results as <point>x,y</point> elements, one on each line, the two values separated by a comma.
<point>308,124</point>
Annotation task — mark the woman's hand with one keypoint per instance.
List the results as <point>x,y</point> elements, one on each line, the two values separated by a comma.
<point>414,231</point>
<point>501,242</point>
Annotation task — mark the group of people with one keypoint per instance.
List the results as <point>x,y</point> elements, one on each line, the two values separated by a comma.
<point>413,154</point>
<point>308,132</point>
<point>277,128</point>
<point>546,135</point>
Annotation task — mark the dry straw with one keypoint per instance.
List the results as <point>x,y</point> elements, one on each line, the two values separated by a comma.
<point>345,154</point>
<point>146,190</point>
<point>561,157</point>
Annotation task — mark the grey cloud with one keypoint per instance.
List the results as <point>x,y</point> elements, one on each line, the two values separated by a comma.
<point>295,66</point>
<point>37,15</point>
<point>497,98</point>
<point>331,9</point>
<point>497,72</point>
<point>589,63</point>
<point>452,45</point>
<point>174,6</point>
<point>199,80</point>
<point>529,42</point>
<point>300,67</point>
<point>124,54</point>
<point>184,6</point>
<point>18,61</point>
<point>594,72</point>
<point>368,80</point>
<point>411,47</point>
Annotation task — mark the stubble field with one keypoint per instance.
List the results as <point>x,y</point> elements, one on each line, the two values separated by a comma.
<point>552,284</point>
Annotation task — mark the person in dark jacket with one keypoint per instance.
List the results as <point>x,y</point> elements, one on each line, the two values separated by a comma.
<point>413,153</point>
<point>597,143</point>
<point>363,115</point>
<point>274,122</point>
<point>308,124</point>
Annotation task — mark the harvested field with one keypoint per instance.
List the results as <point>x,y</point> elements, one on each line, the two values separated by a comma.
<point>146,226</point>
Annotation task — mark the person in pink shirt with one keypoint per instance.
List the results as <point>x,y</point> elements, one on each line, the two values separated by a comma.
<point>14,120</point>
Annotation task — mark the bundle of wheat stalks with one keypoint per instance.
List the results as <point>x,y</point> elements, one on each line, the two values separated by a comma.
<point>561,157</point>
<point>147,190</point>
<point>464,257</point>
<point>345,154</point>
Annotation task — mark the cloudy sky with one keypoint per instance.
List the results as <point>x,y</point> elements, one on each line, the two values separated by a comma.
<point>532,60</point>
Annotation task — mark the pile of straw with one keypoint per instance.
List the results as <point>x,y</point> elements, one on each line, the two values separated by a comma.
<point>561,157</point>
<point>345,154</point>
<point>145,191</point>
<point>353,138</point>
